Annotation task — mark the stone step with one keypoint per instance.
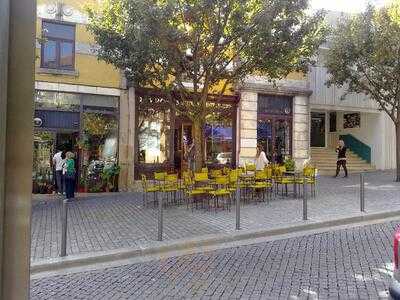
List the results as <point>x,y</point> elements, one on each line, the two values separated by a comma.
<point>335,158</point>
<point>325,161</point>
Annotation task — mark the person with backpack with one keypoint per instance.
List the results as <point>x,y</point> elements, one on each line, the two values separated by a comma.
<point>69,175</point>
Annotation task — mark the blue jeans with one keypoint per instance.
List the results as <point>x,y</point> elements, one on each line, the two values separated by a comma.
<point>60,183</point>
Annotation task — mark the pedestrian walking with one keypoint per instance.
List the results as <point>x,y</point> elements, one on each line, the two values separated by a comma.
<point>261,159</point>
<point>341,160</point>
<point>58,164</point>
<point>69,173</point>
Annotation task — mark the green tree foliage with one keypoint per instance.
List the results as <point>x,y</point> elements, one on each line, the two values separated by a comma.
<point>364,57</point>
<point>212,44</point>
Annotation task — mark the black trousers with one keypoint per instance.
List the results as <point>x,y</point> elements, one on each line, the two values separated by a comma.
<point>343,164</point>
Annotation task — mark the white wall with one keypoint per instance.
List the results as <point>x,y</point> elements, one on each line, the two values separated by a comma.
<point>330,98</point>
<point>389,142</point>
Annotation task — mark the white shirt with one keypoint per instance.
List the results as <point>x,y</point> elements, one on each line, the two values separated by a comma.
<point>58,161</point>
<point>261,161</point>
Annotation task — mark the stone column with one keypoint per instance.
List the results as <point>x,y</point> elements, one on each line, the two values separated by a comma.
<point>127,139</point>
<point>248,126</point>
<point>17,34</point>
<point>301,130</point>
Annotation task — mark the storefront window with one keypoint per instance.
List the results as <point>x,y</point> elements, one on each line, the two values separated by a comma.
<point>153,136</point>
<point>99,146</point>
<point>57,100</point>
<point>219,145</point>
<point>42,175</point>
<point>82,123</point>
<point>274,126</point>
<point>104,103</point>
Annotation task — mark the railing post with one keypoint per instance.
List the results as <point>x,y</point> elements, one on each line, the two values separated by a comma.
<point>362,193</point>
<point>64,224</point>
<point>160,218</point>
<point>237,208</point>
<point>305,217</point>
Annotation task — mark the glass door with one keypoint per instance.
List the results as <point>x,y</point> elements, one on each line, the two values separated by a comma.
<point>317,129</point>
<point>274,134</point>
<point>183,138</point>
<point>281,140</point>
<point>265,136</point>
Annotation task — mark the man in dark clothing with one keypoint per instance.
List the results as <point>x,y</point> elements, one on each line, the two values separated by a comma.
<point>341,161</point>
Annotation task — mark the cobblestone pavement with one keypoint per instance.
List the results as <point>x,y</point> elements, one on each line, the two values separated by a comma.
<point>353,263</point>
<point>98,223</point>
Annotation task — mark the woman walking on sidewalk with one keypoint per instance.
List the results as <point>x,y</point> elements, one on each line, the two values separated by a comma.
<point>341,161</point>
<point>69,171</point>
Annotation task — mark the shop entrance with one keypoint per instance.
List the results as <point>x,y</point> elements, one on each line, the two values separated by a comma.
<point>183,138</point>
<point>46,144</point>
<point>317,129</point>
<point>274,134</point>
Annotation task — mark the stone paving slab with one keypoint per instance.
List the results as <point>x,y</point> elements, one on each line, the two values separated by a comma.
<point>351,263</point>
<point>108,222</point>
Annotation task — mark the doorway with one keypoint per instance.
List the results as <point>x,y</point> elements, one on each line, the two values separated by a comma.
<point>46,143</point>
<point>274,134</point>
<point>183,137</point>
<point>317,129</point>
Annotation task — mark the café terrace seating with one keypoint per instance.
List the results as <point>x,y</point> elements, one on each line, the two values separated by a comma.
<point>214,189</point>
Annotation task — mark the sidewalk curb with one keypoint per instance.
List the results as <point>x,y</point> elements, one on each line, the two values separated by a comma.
<point>82,260</point>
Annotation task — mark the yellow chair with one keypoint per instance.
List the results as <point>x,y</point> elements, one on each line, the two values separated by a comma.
<point>147,189</point>
<point>170,186</point>
<point>215,173</point>
<point>194,195</point>
<point>204,170</point>
<point>268,173</point>
<point>202,182</point>
<point>233,180</point>
<point>159,177</point>
<point>262,185</point>
<point>282,180</point>
<point>250,167</point>
<point>226,170</point>
<point>310,178</point>
<point>222,192</point>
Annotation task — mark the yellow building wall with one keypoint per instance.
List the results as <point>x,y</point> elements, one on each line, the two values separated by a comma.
<point>90,70</point>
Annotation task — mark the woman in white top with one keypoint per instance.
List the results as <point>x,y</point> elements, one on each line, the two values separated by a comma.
<point>261,159</point>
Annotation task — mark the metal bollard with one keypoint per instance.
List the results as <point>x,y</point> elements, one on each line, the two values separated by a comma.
<point>64,214</point>
<point>160,218</point>
<point>305,217</point>
<point>237,209</point>
<point>362,193</point>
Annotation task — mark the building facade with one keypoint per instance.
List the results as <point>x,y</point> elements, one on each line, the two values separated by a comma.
<point>84,105</point>
<point>80,102</point>
<point>302,118</point>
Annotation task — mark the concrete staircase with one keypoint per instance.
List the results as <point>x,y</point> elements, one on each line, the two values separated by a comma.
<point>325,161</point>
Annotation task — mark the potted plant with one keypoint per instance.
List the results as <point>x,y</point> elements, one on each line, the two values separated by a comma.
<point>108,175</point>
<point>82,185</point>
<point>290,164</point>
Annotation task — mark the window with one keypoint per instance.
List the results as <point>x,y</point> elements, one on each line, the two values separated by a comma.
<point>57,100</point>
<point>153,136</point>
<point>58,50</point>
<point>219,143</point>
<point>274,126</point>
<point>332,122</point>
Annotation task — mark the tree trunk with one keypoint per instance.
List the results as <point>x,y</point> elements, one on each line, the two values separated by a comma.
<point>397,151</point>
<point>198,140</point>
